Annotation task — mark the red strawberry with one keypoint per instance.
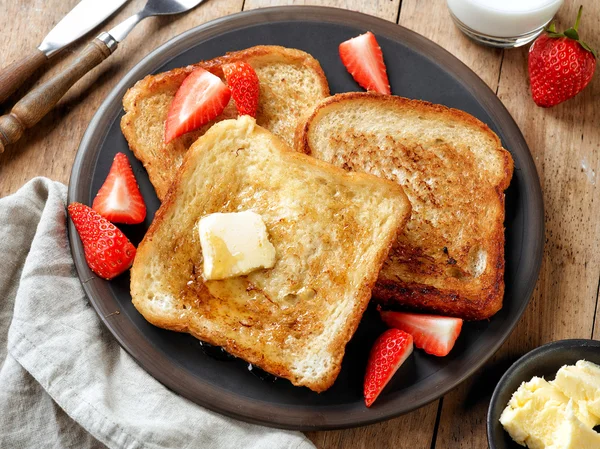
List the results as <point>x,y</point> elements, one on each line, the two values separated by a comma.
<point>243,83</point>
<point>390,351</point>
<point>107,251</point>
<point>363,59</point>
<point>201,97</point>
<point>119,199</point>
<point>560,65</point>
<point>434,334</point>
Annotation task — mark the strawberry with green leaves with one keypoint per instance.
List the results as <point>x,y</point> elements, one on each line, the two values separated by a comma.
<point>560,65</point>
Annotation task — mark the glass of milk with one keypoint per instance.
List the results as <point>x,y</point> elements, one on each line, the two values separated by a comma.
<point>503,23</point>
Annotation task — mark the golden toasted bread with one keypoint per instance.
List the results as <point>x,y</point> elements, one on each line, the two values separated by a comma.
<point>450,257</point>
<point>291,82</point>
<point>331,231</point>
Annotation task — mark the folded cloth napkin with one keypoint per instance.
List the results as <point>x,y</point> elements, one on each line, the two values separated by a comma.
<point>64,381</point>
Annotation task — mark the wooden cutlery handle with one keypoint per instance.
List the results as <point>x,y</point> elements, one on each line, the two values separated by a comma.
<point>15,74</point>
<point>37,103</point>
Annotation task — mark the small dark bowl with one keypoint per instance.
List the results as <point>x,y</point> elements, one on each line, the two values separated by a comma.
<point>543,361</point>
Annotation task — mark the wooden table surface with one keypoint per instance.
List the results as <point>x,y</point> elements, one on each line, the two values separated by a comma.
<point>564,141</point>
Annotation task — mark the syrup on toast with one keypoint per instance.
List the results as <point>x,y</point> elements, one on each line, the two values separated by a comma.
<point>332,231</point>
<point>291,82</point>
<point>450,257</point>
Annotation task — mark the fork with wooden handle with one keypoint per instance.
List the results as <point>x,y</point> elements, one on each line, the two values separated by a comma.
<point>86,14</point>
<point>37,103</point>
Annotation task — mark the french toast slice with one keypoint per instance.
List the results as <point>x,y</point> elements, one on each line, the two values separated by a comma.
<point>291,82</point>
<point>332,231</point>
<point>450,257</point>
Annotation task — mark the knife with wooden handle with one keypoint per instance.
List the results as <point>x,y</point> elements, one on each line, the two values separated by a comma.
<point>86,15</point>
<point>37,103</point>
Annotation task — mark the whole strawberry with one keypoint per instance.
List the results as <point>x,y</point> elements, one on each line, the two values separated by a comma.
<point>107,251</point>
<point>560,65</point>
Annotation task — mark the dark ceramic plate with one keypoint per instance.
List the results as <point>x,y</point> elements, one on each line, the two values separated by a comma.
<point>543,361</point>
<point>418,69</point>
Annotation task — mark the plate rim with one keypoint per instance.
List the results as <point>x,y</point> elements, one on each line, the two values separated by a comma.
<point>94,136</point>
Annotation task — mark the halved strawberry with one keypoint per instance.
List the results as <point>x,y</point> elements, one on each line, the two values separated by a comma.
<point>201,97</point>
<point>243,83</point>
<point>107,251</point>
<point>363,58</point>
<point>390,351</point>
<point>119,199</point>
<point>434,334</point>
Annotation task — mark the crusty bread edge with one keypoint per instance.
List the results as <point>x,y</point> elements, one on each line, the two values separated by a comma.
<point>215,66</point>
<point>337,346</point>
<point>301,135</point>
<point>420,296</point>
<point>153,82</point>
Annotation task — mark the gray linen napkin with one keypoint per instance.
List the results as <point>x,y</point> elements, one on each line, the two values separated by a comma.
<point>64,381</point>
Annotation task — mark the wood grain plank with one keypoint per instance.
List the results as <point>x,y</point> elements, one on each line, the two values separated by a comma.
<point>564,141</point>
<point>411,431</point>
<point>49,148</point>
<point>386,9</point>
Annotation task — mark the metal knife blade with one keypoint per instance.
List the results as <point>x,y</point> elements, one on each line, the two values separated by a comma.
<point>82,18</point>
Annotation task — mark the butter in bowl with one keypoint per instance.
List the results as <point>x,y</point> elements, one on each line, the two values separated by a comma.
<point>549,398</point>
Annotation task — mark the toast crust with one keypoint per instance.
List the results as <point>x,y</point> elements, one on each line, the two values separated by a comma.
<point>146,105</point>
<point>422,276</point>
<point>213,311</point>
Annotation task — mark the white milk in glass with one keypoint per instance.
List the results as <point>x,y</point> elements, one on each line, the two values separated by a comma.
<point>503,23</point>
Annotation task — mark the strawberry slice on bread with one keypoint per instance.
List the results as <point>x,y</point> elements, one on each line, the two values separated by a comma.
<point>388,353</point>
<point>107,251</point>
<point>363,58</point>
<point>244,86</point>
<point>434,334</point>
<point>201,97</point>
<point>119,199</point>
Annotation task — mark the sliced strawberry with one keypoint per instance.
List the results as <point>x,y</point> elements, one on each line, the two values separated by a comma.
<point>390,351</point>
<point>119,199</point>
<point>201,97</point>
<point>363,58</point>
<point>243,83</point>
<point>107,251</point>
<point>434,334</point>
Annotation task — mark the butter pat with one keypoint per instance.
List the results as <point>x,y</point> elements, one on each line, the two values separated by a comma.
<point>573,434</point>
<point>556,415</point>
<point>534,412</point>
<point>582,384</point>
<point>234,244</point>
